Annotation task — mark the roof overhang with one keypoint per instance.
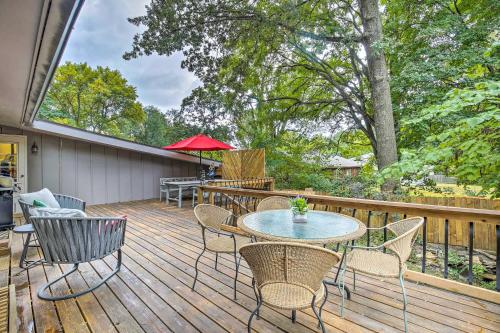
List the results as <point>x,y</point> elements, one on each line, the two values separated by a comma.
<point>68,132</point>
<point>33,35</point>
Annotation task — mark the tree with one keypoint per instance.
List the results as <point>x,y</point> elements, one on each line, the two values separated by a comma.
<point>464,139</point>
<point>299,59</point>
<point>379,81</point>
<point>436,46</point>
<point>154,130</point>
<point>98,99</point>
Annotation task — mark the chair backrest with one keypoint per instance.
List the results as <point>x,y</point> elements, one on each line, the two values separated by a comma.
<point>65,201</point>
<point>406,232</point>
<point>77,240</point>
<point>211,216</point>
<point>292,263</point>
<point>274,202</point>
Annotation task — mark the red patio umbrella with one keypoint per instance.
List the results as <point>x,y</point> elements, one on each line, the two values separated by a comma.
<point>199,142</point>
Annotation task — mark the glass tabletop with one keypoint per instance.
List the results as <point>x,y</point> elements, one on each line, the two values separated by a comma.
<point>319,225</point>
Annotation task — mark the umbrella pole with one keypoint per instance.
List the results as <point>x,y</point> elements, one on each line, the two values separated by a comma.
<point>201,167</point>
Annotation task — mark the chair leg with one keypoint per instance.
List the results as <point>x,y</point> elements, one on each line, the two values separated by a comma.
<point>45,296</point>
<point>318,315</point>
<point>342,282</point>
<point>405,301</point>
<point>256,295</point>
<point>196,267</point>
<point>256,311</point>
<point>354,278</point>
<point>25,251</point>
<point>237,266</point>
<point>216,259</point>
<point>294,316</point>
<point>324,300</point>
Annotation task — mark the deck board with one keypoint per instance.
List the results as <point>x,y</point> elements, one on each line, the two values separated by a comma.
<point>152,292</point>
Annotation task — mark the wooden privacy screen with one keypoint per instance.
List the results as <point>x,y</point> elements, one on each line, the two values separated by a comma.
<point>244,164</point>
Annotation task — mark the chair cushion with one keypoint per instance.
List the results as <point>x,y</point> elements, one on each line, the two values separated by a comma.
<point>24,229</point>
<point>56,212</point>
<point>225,244</point>
<point>289,296</point>
<point>44,196</point>
<point>373,262</point>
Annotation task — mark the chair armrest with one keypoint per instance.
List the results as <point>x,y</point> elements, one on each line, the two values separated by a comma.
<point>377,228</point>
<point>219,232</point>
<point>66,201</point>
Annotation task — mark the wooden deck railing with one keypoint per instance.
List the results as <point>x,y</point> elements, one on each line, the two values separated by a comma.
<point>266,183</point>
<point>241,201</point>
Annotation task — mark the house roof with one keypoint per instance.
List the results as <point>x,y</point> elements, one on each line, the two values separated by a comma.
<point>339,162</point>
<point>64,131</point>
<point>33,35</point>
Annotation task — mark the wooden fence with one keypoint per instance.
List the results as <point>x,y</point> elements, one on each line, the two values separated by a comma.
<point>243,164</point>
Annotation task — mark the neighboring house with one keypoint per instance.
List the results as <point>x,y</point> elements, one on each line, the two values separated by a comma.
<point>96,168</point>
<point>343,167</point>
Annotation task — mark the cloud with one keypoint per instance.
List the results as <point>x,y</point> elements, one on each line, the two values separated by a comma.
<point>102,34</point>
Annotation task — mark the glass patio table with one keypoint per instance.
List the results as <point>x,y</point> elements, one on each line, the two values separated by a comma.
<point>321,228</point>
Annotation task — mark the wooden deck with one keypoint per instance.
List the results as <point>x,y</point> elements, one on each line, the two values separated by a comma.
<point>152,291</point>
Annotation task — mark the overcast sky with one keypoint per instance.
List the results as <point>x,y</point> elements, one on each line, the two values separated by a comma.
<point>102,34</point>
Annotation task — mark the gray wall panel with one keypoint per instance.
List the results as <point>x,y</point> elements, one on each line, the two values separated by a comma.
<point>125,173</point>
<point>112,175</point>
<point>51,163</point>
<point>83,174</point>
<point>137,176</point>
<point>98,170</point>
<point>67,176</point>
<point>147,174</point>
<point>35,180</point>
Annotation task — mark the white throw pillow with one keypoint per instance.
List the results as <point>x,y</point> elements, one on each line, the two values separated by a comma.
<point>44,196</point>
<point>56,212</point>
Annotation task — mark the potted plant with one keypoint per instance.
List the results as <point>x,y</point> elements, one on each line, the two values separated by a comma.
<point>299,209</point>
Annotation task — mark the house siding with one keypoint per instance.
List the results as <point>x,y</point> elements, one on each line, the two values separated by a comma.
<point>96,173</point>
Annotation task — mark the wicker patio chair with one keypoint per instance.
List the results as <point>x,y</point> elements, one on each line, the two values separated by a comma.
<point>289,276</point>
<point>211,218</point>
<point>377,263</point>
<point>65,201</point>
<point>274,202</point>
<point>78,240</point>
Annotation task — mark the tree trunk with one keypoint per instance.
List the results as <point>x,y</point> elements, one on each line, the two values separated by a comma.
<point>379,82</point>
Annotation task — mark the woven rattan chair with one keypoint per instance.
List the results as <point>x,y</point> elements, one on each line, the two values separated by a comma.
<point>211,218</point>
<point>372,261</point>
<point>274,202</point>
<point>289,276</point>
<point>65,201</point>
<point>78,240</point>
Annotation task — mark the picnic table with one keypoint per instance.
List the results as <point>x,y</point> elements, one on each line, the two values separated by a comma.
<point>179,187</point>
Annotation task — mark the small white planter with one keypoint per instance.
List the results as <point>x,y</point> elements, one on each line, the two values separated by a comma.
<point>298,217</point>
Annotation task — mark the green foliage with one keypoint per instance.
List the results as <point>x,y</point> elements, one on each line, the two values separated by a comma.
<point>478,270</point>
<point>97,99</point>
<point>454,260</point>
<point>154,129</point>
<point>465,143</point>
<point>299,205</point>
